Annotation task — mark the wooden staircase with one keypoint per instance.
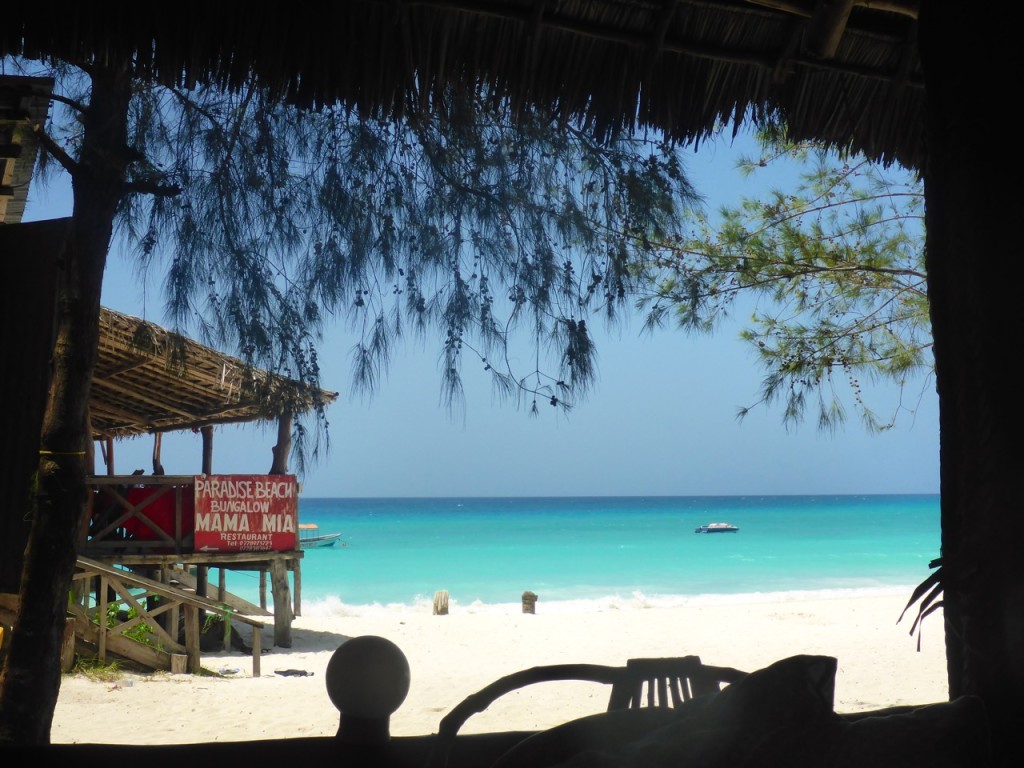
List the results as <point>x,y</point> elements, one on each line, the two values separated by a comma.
<point>103,591</point>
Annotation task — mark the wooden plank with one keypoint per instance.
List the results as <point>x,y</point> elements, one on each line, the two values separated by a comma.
<point>236,561</point>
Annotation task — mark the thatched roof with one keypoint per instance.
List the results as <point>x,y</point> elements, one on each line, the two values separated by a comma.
<point>148,379</point>
<point>845,72</point>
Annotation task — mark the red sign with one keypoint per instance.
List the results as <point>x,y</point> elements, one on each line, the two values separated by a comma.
<point>246,513</point>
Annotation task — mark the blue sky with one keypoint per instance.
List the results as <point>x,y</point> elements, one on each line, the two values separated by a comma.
<point>660,421</point>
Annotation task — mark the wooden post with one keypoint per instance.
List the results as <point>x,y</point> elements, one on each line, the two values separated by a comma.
<point>192,638</point>
<point>282,603</point>
<point>101,616</point>
<point>227,631</point>
<point>297,582</point>
<point>153,603</point>
<point>222,584</point>
<point>174,620</point>
<point>202,580</point>
<point>257,651</point>
<point>263,588</point>
<point>202,586</point>
<point>67,645</point>
<point>529,602</point>
<point>441,602</point>
<point>207,434</point>
<point>179,663</point>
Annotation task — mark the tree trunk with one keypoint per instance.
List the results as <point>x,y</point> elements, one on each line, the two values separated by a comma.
<point>31,677</point>
<point>279,466</point>
<point>975,314</point>
<point>29,251</point>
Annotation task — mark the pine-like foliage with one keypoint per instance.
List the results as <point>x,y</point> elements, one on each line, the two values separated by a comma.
<point>455,225</point>
<point>830,268</point>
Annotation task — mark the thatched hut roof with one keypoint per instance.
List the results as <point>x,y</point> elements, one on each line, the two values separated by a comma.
<point>845,72</point>
<point>149,379</point>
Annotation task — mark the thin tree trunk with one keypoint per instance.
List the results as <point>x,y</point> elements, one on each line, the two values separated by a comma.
<point>975,316</point>
<point>284,444</point>
<point>31,678</point>
<point>31,252</point>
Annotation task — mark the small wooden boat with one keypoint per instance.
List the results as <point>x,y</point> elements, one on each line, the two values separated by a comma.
<point>716,528</point>
<point>310,537</point>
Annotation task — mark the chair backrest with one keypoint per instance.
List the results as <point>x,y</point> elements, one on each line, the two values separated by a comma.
<point>656,682</point>
<point>668,682</point>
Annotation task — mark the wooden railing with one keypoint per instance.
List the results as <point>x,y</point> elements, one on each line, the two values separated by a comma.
<point>97,587</point>
<point>136,513</point>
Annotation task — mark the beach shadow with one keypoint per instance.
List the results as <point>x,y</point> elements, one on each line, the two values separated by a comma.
<point>315,640</point>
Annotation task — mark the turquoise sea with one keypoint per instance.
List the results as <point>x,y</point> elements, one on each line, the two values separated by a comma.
<point>607,552</point>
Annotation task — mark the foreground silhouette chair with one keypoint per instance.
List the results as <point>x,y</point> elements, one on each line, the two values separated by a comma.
<point>662,683</point>
<point>668,682</point>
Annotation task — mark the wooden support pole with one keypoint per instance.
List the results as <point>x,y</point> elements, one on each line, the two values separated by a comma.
<point>174,622</point>
<point>101,619</point>
<point>257,651</point>
<point>202,585</point>
<point>67,645</point>
<point>192,638</point>
<point>282,604</point>
<point>202,580</point>
<point>158,575</point>
<point>441,602</point>
<point>297,582</point>
<point>263,588</point>
<point>207,435</point>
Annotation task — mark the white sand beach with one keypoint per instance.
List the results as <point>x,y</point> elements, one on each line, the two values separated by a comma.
<point>455,655</point>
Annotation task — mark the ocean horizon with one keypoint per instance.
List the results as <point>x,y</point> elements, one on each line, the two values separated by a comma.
<point>608,553</point>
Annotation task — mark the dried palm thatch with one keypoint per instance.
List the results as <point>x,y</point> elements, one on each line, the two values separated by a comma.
<point>845,72</point>
<point>149,379</point>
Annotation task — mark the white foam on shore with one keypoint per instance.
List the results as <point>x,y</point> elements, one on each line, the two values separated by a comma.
<point>334,607</point>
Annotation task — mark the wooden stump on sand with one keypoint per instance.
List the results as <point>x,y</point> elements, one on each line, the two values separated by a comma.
<point>441,602</point>
<point>529,602</point>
